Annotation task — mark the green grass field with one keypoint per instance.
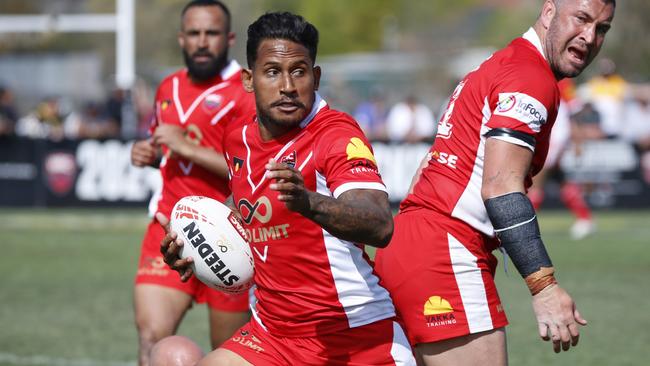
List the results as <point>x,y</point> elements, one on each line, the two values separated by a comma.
<point>66,280</point>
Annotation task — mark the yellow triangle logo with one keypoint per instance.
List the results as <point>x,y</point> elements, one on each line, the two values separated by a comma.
<point>437,305</point>
<point>356,149</point>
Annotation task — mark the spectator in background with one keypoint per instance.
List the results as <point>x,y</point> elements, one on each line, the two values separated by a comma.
<point>52,119</point>
<point>607,92</point>
<point>410,121</point>
<point>8,115</point>
<point>371,116</point>
<point>636,129</point>
<point>96,123</point>
<point>571,194</point>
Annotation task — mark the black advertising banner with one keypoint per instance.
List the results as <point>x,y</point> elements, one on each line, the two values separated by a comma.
<point>72,173</point>
<point>89,173</point>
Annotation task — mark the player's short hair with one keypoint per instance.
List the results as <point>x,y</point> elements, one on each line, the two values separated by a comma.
<point>613,2</point>
<point>281,25</point>
<point>200,3</point>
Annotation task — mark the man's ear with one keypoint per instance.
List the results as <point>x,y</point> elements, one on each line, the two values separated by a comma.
<point>247,79</point>
<point>231,39</point>
<point>548,12</point>
<point>181,39</point>
<point>317,73</point>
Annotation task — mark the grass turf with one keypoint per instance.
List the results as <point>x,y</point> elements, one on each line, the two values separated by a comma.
<point>66,281</point>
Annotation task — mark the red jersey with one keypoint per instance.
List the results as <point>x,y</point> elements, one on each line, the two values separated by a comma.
<point>308,281</point>
<point>514,89</point>
<point>205,110</point>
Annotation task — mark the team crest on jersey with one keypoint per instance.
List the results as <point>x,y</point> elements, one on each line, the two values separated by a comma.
<point>165,103</point>
<point>356,149</point>
<point>438,312</point>
<point>290,159</point>
<point>212,102</point>
<point>237,165</point>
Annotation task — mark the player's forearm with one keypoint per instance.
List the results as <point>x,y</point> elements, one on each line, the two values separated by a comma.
<point>208,159</point>
<point>365,220</point>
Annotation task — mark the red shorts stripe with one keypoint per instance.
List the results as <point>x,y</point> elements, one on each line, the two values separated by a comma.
<point>382,343</point>
<point>440,274</point>
<point>153,270</point>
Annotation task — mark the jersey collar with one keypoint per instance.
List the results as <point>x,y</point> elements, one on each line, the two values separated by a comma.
<point>319,103</point>
<point>532,37</point>
<point>231,69</point>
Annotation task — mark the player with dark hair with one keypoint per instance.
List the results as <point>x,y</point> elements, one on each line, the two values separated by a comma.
<point>306,183</point>
<point>468,197</point>
<point>194,109</point>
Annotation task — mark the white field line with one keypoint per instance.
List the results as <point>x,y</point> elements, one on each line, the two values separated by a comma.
<point>38,360</point>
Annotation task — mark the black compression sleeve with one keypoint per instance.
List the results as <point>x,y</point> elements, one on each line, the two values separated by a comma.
<point>515,224</point>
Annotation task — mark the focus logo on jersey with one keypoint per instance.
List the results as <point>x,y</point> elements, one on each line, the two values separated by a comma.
<point>356,149</point>
<point>523,108</point>
<point>438,311</point>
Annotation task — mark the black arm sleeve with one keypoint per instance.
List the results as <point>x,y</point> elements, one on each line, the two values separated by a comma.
<point>515,224</point>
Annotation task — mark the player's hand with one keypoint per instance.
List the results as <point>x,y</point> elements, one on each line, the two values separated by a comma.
<point>143,153</point>
<point>173,137</point>
<point>288,181</point>
<point>557,317</point>
<point>170,248</point>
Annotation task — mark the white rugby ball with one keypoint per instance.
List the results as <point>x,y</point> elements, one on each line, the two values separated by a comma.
<point>216,241</point>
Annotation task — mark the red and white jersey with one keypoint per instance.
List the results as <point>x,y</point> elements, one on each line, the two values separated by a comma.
<point>308,281</point>
<point>205,110</point>
<point>514,89</point>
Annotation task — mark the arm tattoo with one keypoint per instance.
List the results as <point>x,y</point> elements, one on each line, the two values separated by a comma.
<point>359,215</point>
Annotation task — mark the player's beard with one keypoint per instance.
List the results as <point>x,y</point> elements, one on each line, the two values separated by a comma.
<point>206,70</point>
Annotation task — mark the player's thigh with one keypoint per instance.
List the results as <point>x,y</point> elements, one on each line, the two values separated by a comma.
<point>158,309</point>
<point>485,348</point>
<point>223,324</point>
<point>223,357</point>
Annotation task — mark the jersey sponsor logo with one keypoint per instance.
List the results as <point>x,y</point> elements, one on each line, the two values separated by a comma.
<point>363,166</point>
<point>444,158</point>
<point>237,165</point>
<point>523,108</point>
<point>153,266</point>
<point>444,127</point>
<point>248,340</point>
<point>356,149</point>
<point>290,159</point>
<point>212,102</point>
<point>260,210</point>
<point>438,312</point>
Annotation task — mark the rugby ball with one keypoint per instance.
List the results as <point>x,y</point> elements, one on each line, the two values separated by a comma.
<point>216,241</point>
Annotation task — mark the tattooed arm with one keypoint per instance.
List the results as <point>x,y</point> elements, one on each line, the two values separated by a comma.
<point>358,215</point>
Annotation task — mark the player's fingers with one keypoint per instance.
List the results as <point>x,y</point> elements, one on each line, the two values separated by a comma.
<point>171,255</point>
<point>187,274</point>
<point>565,337</point>
<point>575,334</point>
<point>578,318</point>
<point>543,331</point>
<point>555,337</point>
<point>163,221</point>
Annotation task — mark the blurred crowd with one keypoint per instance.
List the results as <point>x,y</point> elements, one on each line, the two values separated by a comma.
<point>56,117</point>
<point>604,107</point>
